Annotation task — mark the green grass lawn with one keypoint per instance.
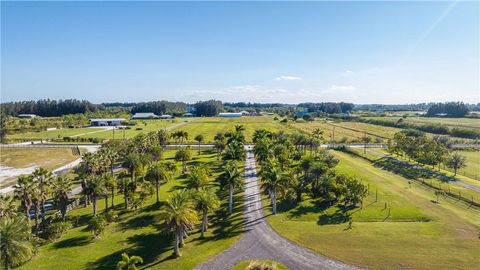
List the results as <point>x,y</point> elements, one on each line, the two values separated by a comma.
<point>209,126</point>
<point>137,233</point>
<point>51,134</point>
<point>473,165</point>
<point>418,234</point>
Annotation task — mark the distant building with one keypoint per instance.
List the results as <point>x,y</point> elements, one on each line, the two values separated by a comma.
<point>144,115</point>
<point>166,116</point>
<point>27,115</point>
<point>245,113</point>
<point>441,114</point>
<point>106,122</point>
<point>230,114</point>
<point>188,114</point>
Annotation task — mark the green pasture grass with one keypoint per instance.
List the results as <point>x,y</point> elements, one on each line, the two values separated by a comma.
<point>51,134</point>
<point>420,234</point>
<point>138,233</point>
<point>469,123</point>
<point>209,126</point>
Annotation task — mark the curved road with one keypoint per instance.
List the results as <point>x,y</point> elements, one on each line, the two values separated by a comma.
<point>260,242</point>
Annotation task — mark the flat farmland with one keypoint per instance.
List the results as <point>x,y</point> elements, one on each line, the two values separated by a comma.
<point>469,123</point>
<point>52,134</point>
<point>142,126</point>
<point>350,131</point>
<point>209,126</point>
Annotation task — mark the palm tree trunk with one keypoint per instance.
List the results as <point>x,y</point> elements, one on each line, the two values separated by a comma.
<point>94,201</point>
<point>274,202</point>
<point>184,167</point>
<point>198,148</point>
<point>113,197</point>
<point>106,203</point>
<point>177,245</point>
<point>157,184</point>
<point>230,199</point>
<point>125,197</point>
<point>37,212</point>
<point>43,212</point>
<point>7,259</point>
<point>204,223</point>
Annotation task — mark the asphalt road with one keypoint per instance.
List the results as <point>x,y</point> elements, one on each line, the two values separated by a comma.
<point>260,242</point>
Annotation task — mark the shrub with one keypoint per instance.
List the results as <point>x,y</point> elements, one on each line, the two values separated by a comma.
<point>97,225</point>
<point>57,229</point>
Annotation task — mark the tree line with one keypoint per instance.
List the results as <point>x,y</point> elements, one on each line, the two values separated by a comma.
<point>327,107</point>
<point>48,108</point>
<point>451,109</point>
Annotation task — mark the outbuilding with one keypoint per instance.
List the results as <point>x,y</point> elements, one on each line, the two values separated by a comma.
<point>166,116</point>
<point>27,115</point>
<point>230,114</point>
<point>106,122</point>
<point>144,115</point>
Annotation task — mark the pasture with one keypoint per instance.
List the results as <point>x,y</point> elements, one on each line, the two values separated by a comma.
<point>468,123</point>
<point>138,232</point>
<point>53,134</point>
<point>403,227</point>
<point>209,126</point>
<point>18,161</point>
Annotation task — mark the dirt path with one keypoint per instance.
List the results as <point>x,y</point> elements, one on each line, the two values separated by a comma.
<point>260,242</point>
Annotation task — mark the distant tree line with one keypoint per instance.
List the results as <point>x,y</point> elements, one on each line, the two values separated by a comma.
<point>327,107</point>
<point>208,108</point>
<point>47,107</point>
<point>451,109</point>
<point>392,107</point>
<point>160,107</point>
<point>256,105</point>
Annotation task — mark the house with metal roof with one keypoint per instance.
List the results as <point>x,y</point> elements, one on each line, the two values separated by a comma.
<point>144,115</point>
<point>99,122</point>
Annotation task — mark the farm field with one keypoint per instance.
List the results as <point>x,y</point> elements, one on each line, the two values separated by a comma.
<point>416,233</point>
<point>138,233</point>
<point>209,126</point>
<point>18,161</point>
<point>51,134</point>
<point>347,131</point>
<point>470,123</point>
<point>473,165</point>
<point>142,126</point>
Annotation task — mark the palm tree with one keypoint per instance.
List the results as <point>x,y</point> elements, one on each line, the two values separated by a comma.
<point>199,138</point>
<point>231,178</point>
<point>159,173</point>
<point>179,216</point>
<point>24,192</point>
<point>96,188</point>
<point>206,201</point>
<point>15,245</point>
<point>197,177</point>
<point>219,143</point>
<point>111,155</point>
<point>7,205</point>
<point>111,182</point>
<point>44,178</point>
<point>318,137</point>
<point>272,181</point>
<point>129,262</point>
<point>131,162</point>
<point>183,155</point>
<point>234,151</point>
<point>61,187</point>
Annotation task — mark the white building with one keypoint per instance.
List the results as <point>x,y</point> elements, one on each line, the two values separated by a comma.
<point>106,122</point>
<point>230,114</point>
<point>144,115</point>
<point>166,116</point>
<point>27,115</point>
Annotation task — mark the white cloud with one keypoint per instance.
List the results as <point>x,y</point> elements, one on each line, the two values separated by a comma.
<point>287,78</point>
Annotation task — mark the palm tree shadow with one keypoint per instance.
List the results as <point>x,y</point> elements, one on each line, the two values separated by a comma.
<point>75,241</point>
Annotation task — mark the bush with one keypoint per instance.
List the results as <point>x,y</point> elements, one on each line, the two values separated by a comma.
<point>97,225</point>
<point>57,229</point>
<point>254,265</point>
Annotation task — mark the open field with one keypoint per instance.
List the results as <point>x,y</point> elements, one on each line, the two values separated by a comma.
<point>347,131</point>
<point>470,123</point>
<point>416,235</point>
<point>18,161</point>
<point>209,126</point>
<point>138,233</point>
<point>52,134</point>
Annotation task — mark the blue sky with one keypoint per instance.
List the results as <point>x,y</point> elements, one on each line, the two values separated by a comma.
<point>362,52</point>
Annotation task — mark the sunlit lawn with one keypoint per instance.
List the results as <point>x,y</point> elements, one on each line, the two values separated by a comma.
<point>138,233</point>
<point>418,234</point>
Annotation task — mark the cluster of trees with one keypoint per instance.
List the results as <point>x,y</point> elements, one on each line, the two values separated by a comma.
<point>160,107</point>
<point>208,108</point>
<point>47,107</point>
<point>288,172</point>
<point>327,107</point>
<point>452,109</point>
<point>415,145</point>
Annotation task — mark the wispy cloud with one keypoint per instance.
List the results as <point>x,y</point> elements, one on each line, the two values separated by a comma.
<point>287,78</point>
